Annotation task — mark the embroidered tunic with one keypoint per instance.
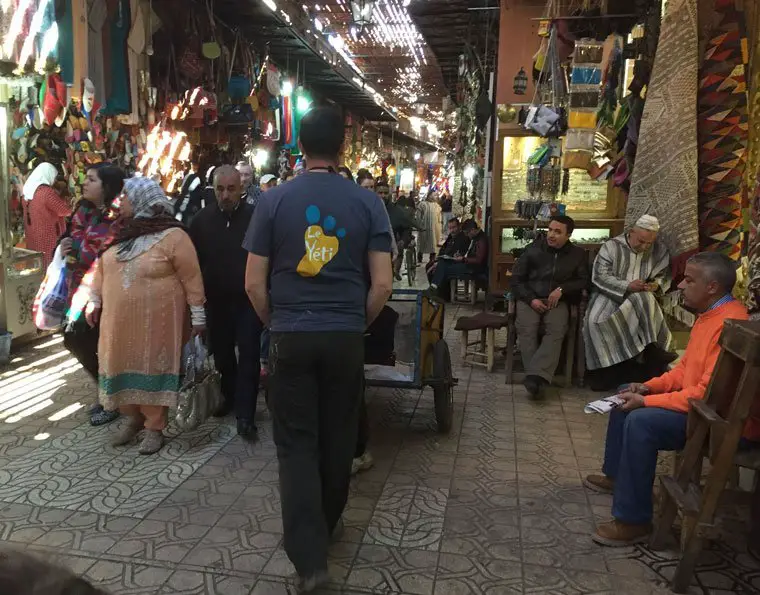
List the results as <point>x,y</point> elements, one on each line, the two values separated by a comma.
<point>144,321</point>
<point>620,324</point>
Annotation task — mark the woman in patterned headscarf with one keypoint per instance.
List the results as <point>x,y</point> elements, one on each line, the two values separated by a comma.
<point>143,285</point>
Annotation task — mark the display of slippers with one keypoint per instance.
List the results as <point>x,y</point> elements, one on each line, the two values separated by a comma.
<point>54,103</point>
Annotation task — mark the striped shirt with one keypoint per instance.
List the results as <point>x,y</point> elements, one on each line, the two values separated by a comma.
<point>724,300</point>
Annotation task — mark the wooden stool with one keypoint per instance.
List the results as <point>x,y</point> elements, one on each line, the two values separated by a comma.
<point>467,294</point>
<point>715,424</point>
<point>485,353</point>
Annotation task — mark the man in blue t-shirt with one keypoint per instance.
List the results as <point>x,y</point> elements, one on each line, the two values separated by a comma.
<point>319,272</point>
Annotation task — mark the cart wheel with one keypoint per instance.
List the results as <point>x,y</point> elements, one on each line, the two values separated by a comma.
<point>443,389</point>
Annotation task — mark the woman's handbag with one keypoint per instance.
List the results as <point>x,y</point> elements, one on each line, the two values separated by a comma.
<point>200,395</point>
<point>51,301</point>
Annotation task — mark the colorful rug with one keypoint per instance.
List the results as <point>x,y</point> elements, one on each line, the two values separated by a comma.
<point>723,133</point>
<point>664,179</point>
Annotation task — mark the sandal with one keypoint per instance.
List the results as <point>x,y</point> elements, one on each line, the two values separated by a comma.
<point>102,417</point>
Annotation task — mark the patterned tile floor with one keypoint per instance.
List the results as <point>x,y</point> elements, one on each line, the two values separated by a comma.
<point>496,507</point>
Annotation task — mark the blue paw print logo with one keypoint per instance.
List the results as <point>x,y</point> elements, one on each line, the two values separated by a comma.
<point>320,247</point>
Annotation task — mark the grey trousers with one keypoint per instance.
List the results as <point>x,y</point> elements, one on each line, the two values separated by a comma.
<point>540,358</point>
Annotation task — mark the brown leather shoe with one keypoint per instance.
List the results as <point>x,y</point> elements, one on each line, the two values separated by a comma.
<point>599,483</point>
<point>617,534</point>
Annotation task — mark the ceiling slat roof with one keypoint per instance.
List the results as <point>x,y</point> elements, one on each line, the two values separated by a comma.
<point>451,26</point>
<point>288,49</point>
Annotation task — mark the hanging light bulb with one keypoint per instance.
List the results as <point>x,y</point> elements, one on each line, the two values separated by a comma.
<point>361,11</point>
<point>260,158</point>
<point>303,104</point>
<point>287,89</point>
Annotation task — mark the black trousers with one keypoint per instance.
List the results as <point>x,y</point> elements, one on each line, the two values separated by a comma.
<point>362,437</point>
<point>233,323</point>
<point>314,394</point>
<point>81,340</point>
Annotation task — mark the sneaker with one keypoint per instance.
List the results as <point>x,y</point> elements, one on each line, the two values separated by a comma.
<point>127,432</point>
<point>617,534</point>
<point>247,430</point>
<point>599,483</point>
<point>362,463</point>
<point>152,442</point>
<point>312,582</point>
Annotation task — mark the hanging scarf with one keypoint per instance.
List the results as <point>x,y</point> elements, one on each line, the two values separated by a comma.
<point>152,219</point>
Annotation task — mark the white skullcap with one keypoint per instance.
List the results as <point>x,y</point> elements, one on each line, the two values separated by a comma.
<point>648,222</point>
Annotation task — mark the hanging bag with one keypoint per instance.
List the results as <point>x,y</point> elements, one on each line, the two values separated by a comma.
<point>200,395</point>
<point>50,303</point>
<point>190,60</point>
<point>546,120</point>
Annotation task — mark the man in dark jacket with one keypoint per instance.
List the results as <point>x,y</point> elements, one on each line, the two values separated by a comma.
<point>474,263</point>
<point>457,244</point>
<point>551,274</point>
<point>218,232</point>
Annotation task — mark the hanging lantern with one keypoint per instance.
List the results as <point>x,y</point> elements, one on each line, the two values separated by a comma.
<point>361,11</point>
<point>521,82</point>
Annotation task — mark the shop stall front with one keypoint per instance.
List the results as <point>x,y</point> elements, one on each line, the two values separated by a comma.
<point>597,207</point>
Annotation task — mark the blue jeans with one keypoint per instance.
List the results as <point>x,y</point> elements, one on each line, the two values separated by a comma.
<point>630,457</point>
<point>446,269</point>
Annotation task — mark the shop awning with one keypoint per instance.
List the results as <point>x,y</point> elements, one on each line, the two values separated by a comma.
<point>291,50</point>
<point>451,26</point>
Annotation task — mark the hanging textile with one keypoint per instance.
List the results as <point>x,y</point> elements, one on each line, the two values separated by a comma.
<point>97,15</point>
<point>664,181</point>
<point>722,129</point>
<point>287,138</point>
<point>65,20</point>
<point>116,32</point>
<point>752,171</point>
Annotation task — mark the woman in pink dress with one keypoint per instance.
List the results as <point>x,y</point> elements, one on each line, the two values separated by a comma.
<point>149,288</point>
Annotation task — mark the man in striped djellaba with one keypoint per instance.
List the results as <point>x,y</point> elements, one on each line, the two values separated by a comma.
<point>626,336</point>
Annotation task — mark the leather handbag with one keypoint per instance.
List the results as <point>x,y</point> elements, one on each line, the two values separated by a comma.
<point>200,395</point>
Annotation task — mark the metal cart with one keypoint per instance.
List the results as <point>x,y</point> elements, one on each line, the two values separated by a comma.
<point>421,356</point>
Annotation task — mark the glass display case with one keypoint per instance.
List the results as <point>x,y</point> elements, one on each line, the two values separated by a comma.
<point>514,238</point>
<point>598,208</point>
<point>585,195</point>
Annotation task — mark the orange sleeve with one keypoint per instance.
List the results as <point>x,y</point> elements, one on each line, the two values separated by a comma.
<point>678,400</point>
<point>671,380</point>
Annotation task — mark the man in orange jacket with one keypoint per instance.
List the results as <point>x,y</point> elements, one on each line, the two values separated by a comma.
<point>654,414</point>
